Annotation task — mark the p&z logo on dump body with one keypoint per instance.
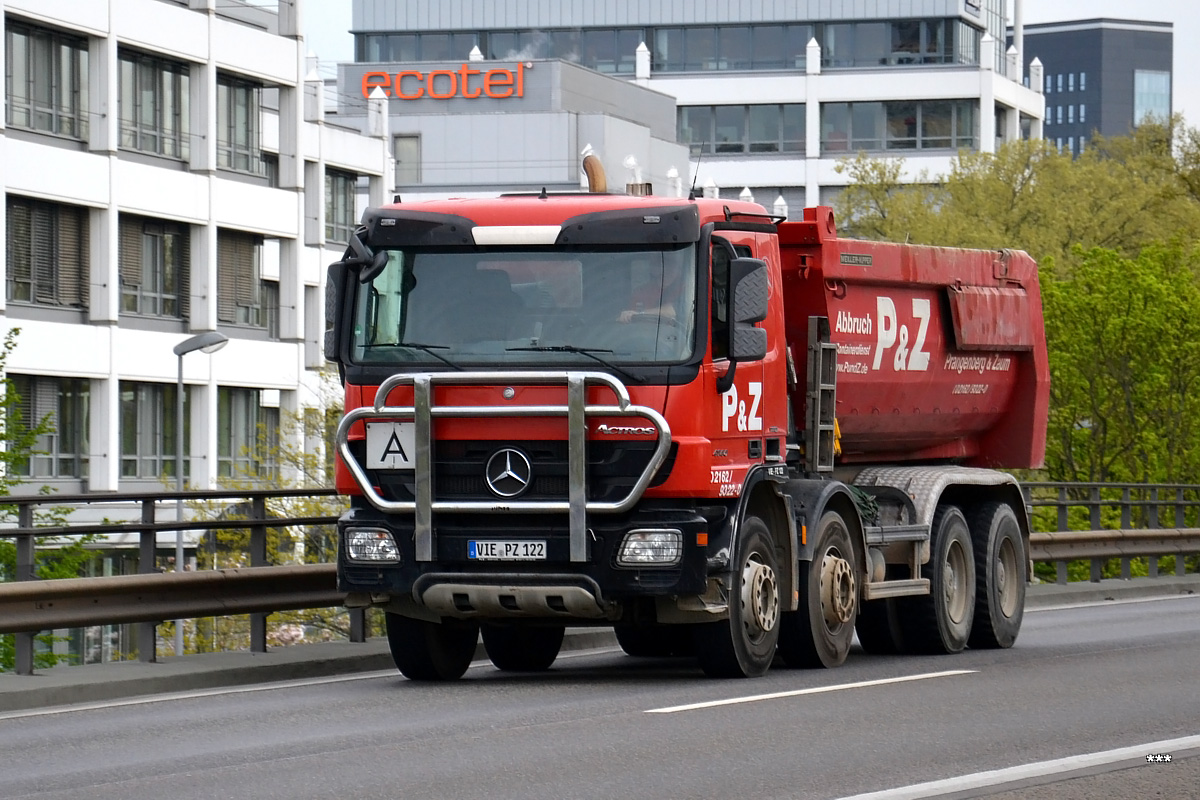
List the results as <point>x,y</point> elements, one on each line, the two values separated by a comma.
<point>910,353</point>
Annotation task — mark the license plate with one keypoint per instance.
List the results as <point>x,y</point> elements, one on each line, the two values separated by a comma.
<point>507,550</point>
<point>391,445</point>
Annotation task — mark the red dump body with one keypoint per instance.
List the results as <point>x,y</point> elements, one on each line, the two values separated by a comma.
<point>941,351</point>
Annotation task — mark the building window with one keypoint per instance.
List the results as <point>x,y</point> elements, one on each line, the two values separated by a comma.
<point>154,261</point>
<point>406,149</point>
<point>47,253</point>
<point>239,125</point>
<point>1082,140</point>
<point>243,297</point>
<point>1070,115</point>
<point>47,80</point>
<point>247,434</point>
<point>901,125</point>
<point>1049,84</point>
<point>1082,81</point>
<point>62,453</point>
<point>1151,95</point>
<point>1058,116</point>
<point>1060,82</point>
<point>339,205</point>
<point>743,129</point>
<point>1082,113</point>
<point>154,105</point>
<point>148,430</point>
<point>1070,81</point>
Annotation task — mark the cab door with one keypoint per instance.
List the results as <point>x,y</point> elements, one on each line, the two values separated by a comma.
<point>734,418</point>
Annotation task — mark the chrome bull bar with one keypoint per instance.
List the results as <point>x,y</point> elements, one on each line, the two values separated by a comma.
<point>576,410</point>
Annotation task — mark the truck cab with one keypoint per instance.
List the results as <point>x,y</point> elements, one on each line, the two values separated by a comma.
<point>594,409</point>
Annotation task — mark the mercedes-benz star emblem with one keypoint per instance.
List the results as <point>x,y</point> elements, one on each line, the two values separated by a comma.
<point>508,472</point>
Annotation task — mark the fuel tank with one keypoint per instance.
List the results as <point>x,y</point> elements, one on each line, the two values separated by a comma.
<point>941,352</point>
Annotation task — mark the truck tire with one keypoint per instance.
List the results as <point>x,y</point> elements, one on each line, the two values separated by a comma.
<point>743,646</point>
<point>1000,576</point>
<point>522,648</point>
<point>940,622</point>
<point>819,632</point>
<point>654,641</point>
<point>431,651</point>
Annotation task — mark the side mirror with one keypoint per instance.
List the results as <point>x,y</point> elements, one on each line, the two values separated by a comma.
<point>748,283</point>
<point>748,292</point>
<point>334,288</point>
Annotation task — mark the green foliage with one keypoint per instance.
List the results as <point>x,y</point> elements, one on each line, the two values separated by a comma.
<point>1121,194</point>
<point>1125,365</point>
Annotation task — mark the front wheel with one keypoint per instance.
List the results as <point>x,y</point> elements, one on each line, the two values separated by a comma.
<point>819,632</point>
<point>523,648</point>
<point>744,645</point>
<point>431,651</point>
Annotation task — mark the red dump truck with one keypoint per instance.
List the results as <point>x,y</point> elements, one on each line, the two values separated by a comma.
<point>723,434</point>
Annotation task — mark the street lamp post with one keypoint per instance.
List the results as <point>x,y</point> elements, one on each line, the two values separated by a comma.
<point>209,342</point>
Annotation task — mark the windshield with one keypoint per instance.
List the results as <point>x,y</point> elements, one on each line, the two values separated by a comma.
<point>529,307</point>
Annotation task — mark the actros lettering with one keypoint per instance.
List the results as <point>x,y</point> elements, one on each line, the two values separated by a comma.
<point>893,334</point>
<point>732,407</point>
<point>625,429</point>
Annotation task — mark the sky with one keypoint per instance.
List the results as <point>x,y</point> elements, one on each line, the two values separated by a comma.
<point>327,23</point>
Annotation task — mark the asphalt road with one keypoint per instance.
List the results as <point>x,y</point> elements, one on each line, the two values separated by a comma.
<point>599,724</point>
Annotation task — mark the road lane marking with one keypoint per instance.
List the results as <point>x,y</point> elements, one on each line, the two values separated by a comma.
<point>1059,769</point>
<point>754,698</point>
<point>1121,602</point>
<point>262,687</point>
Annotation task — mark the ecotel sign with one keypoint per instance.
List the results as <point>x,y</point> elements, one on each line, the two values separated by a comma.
<point>443,84</point>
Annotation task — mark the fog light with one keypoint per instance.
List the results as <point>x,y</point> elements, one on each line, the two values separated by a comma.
<point>371,544</point>
<point>660,547</point>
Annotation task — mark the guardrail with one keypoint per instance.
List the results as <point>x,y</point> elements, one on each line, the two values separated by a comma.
<point>1114,520</point>
<point>28,606</point>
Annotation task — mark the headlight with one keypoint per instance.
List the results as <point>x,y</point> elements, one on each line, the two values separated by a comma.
<point>371,544</point>
<point>660,547</point>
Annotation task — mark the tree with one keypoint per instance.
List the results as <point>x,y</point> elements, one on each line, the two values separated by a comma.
<point>1122,193</point>
<point>1125,367</point>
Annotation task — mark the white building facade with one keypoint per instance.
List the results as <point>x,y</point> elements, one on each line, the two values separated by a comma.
<point>771,94</point>
<point>167,171</point>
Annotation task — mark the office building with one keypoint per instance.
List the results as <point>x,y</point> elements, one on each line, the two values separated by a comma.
<point>769,96</point>
<point>1101,75</point>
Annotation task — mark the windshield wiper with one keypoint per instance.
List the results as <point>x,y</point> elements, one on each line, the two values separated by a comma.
<point>590,352</point>
<point>432,349</point>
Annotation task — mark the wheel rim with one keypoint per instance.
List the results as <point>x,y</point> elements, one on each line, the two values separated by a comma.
<point>760,597</point>
<point>1007,576</point>
<point>954,582</point>
<point>837,590</point>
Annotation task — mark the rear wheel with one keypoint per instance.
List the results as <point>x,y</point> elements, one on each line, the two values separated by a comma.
<point>940,622</point>
<point>743,646</point>
<point>1000,576</point>
<point>819,632</point>
<point>431,651</point>
<point>523,648</point>
<point>655,641</point>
